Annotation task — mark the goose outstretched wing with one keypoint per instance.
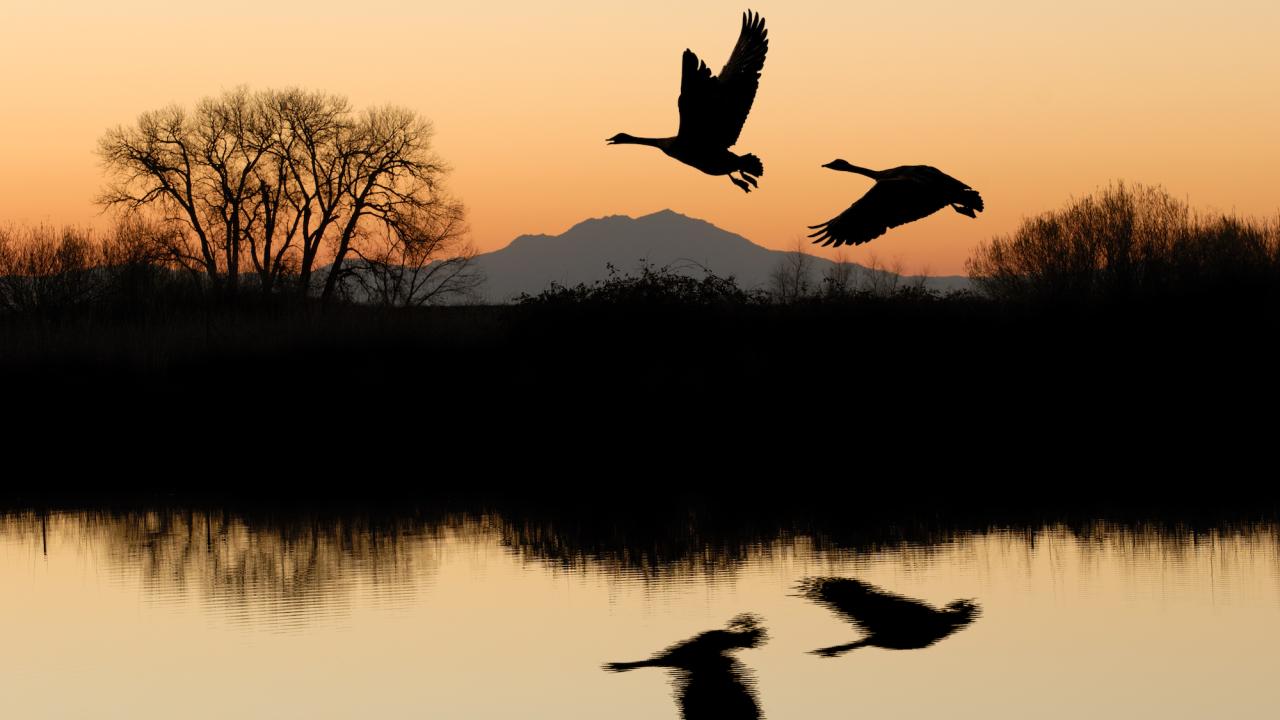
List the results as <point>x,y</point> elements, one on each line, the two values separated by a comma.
<point>713,109</point>
<point>888,204</point>
<point>867,606</point>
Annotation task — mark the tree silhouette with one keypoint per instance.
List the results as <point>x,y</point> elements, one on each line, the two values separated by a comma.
<point>416,260</point>
<point>792,277</point>
<point>278,181</point>
<point>1129,242</point>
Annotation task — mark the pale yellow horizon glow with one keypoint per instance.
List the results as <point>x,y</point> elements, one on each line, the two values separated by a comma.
<point>1030,103</point>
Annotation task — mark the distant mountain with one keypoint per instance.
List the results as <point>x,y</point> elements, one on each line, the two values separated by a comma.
<point>667,238</point>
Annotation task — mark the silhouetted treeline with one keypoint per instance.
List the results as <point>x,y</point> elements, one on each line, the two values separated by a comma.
<point>105,335</point>
<point>855,382</point>
<point>1132,244</point>
<point>48,274</point>
<point>294,192</point>
<point>295,542</point>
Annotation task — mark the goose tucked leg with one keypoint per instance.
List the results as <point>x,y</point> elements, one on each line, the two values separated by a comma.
<point>748,178</point>
<point>741,184</point>
<point>838,650</point>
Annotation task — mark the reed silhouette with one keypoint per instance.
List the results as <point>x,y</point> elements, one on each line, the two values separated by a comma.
<point>891,621</point>
<point>709,683</point>
<point>900,195</point>
<point>714,108</point>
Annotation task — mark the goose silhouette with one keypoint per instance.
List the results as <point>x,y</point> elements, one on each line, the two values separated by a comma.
<point>714,108</point>
<point>709,683</point>
<point>900,195</point>
<point>890,621</point>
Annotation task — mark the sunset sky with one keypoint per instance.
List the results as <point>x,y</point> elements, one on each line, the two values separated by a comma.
<point>1031,103</point>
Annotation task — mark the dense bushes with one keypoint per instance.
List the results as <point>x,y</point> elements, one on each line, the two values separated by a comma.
<point>46,272</point>
<point>653,286</point>
<point>1129,243</point>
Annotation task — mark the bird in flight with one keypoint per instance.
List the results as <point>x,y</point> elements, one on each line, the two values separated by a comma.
<point>714,108</point>
<point>890,621</point>
<point>710,683</point>
<point>900,195</point>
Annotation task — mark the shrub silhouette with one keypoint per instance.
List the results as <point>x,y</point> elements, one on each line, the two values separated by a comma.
<point>48,272</point>
<point>653,286</point>
<point>1128,243</point>
<point>43,270</point>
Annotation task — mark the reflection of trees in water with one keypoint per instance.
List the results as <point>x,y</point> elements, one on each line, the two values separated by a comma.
<point>287,566</point>
<point>1148,550</point>
<point>275,565</point>
<point>667,542</point>
<point>285,561</point>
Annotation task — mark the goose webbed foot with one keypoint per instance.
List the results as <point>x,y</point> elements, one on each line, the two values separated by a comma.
<point>745,187</point>
<point>749,179</point>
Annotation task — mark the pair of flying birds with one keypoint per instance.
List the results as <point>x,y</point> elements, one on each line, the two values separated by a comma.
<point>713,110</point>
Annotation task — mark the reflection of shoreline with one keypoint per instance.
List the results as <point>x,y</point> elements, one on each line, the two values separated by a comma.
<point>278,570</point>
<point>281,564</point>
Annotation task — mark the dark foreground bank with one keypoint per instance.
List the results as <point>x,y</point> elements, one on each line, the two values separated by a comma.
<point>903,380</point>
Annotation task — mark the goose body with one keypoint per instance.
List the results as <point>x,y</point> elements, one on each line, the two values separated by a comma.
<point>714,108</point>
<point>900,195</point>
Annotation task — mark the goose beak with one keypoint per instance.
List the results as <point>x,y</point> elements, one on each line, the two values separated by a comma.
<point>831,165</point>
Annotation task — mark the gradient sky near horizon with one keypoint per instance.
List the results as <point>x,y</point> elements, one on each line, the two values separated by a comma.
<point>1031,103</point>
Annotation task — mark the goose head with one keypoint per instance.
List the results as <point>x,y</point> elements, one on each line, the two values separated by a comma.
<point>962,611</point>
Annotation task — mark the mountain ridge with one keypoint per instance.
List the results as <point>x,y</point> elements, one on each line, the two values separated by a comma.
<point>666,238</point>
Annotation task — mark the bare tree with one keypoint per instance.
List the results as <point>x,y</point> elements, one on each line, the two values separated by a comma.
<point>200,171</point>
<point>792,278</point>
<point>421,259</point>
<point>880,278</point>
<point>46,269</point>
<point>839,279</point>
<point>288,179</point>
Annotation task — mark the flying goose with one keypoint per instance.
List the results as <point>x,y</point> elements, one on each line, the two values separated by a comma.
<point>890,621</point>
<point>710,684</point>
<point>900,195</point>
<point>713,109</point>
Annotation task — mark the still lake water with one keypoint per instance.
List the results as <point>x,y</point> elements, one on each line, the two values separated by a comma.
<point>198,614</point>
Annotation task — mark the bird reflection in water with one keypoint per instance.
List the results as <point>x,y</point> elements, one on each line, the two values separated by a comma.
<point>890,621</point>
<point>710,683</point>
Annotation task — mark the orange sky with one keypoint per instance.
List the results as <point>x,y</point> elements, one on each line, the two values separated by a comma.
<point>1030,102</point>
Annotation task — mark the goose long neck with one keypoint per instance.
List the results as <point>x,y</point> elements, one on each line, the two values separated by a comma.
<point>873,174</point>
<point>633,140</point>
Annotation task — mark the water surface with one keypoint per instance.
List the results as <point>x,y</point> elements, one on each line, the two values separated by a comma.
<point>207,613</point>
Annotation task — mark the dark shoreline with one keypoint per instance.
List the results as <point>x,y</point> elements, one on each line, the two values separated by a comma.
<point>644,347</point>
<point>908,386</point>
<point>653,533</point>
